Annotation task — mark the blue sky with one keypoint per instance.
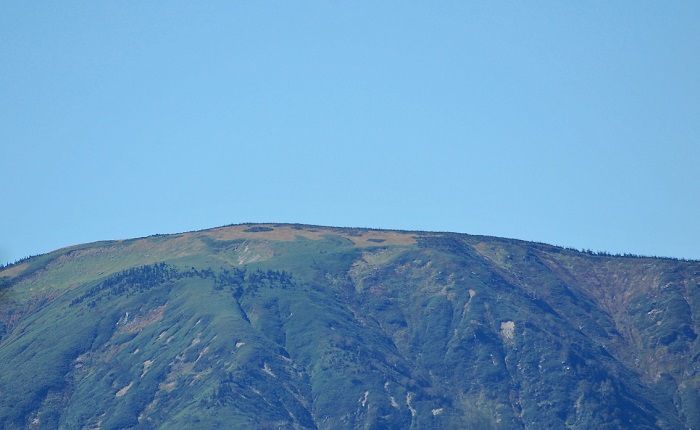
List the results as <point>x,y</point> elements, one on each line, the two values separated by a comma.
<point>571,123</point>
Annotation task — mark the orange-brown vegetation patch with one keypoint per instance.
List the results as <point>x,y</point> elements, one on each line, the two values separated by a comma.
<point>13,271</point>
<point>81,253</point>
<point>611,281</point>
<point>171,246</point>
<point>612,284</point>
<point>139,322</point>
<point>360,237</point>
<point>379,238</point>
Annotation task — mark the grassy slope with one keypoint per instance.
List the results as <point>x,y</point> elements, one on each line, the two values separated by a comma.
<point>266,326</point>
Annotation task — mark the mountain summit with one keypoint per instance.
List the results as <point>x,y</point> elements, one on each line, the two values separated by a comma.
<point>302,327</point>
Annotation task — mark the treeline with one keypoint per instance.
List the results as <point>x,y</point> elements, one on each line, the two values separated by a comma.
<point>623,255</point>
<point>20,261</point>
<point>143,278</point>
<point>135,279</point>
<point>240,281</point>
<point>235,276</point>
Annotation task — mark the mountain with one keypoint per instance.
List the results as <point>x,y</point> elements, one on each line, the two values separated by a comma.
<point>304,327</point>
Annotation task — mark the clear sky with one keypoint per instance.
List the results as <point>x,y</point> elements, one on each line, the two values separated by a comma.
<point>571,123</point>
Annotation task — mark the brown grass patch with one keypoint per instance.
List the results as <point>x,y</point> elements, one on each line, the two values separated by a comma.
<point>360,237</point>
<point>139,322</point>
<point>13,271</point>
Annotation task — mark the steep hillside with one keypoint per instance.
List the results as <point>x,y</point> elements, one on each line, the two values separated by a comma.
<point>292,326</point>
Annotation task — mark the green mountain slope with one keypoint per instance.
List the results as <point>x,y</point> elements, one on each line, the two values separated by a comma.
<point>302,327</point>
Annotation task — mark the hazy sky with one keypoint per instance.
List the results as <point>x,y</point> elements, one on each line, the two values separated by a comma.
<point>571,123</point>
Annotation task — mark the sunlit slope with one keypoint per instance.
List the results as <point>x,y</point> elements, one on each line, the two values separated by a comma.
<point>70,267</point>
<point>290,326</point>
